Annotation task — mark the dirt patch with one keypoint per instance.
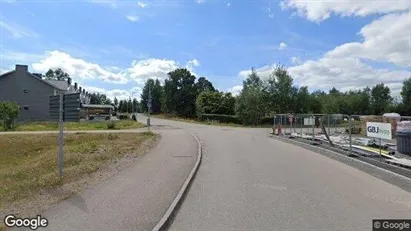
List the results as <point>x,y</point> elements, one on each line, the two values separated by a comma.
<point>39,187</point>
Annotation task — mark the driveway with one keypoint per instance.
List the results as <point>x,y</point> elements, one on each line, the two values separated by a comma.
<point>249,181</point>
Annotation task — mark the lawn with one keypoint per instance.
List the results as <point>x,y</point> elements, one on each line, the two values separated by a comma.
<point>73,126</point>
<point>28,163</point>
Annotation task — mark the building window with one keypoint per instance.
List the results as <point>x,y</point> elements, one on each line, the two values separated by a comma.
<point>26,108</point>
<point>26,91</point>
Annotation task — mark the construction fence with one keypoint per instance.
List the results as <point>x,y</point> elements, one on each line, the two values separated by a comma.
<point>387,136</point>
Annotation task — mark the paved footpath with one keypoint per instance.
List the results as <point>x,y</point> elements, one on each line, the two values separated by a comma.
<point>138,196</point>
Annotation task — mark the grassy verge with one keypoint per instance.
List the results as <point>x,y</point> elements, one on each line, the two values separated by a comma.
<point>188,120</point>
<point>28,163</point>
<point>73,126</point>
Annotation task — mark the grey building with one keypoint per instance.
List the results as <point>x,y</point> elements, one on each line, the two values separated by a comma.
<point>32,92</point>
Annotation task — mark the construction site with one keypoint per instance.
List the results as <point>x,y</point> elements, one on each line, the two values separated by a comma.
<point>384,140</point>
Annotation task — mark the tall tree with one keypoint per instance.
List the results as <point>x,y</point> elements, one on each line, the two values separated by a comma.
<point>285,91</point>
<point>156,95</point>
<point>406,97</point>
<point>204,85</point>
<point>250,105</point>
<point>381,98</point>
<point>180,93</point>
<point>115,102</point>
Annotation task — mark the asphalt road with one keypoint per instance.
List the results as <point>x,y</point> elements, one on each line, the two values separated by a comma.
<point>249,181</point>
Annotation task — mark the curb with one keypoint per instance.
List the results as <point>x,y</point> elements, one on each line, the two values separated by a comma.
<point>171,211</point>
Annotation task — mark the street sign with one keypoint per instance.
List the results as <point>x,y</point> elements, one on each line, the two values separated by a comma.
<point>379,130</point>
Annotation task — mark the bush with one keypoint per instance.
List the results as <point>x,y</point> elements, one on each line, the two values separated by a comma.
<point>221,118</point>
<point>9,111</point>
<point>123,117</point>
<point>111,124</point>
<point>267,120</point>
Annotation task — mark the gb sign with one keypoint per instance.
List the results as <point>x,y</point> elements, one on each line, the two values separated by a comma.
<point>379,130</point>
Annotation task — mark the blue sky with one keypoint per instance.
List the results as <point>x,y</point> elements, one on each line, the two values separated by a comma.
<point>114,46</point>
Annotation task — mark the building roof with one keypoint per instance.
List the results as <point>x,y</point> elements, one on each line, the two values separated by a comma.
<point>42,80</point>
<point>60,84</point>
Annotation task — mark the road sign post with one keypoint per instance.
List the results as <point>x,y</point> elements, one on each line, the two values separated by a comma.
<point>61,137</point>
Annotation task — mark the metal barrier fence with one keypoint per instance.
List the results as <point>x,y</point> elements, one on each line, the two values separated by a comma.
<point>375,136</point>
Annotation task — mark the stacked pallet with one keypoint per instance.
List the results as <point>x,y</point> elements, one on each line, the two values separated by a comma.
<point>393,121</point>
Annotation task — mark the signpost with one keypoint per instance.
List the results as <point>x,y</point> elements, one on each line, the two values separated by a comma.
<point>61,137</point>
<point>380,131</point>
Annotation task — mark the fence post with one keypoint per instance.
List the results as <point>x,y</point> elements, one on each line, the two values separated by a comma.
<point>328,116</point>
<point>313,123</point>
<point>350,131</point>
<point>301,118</point>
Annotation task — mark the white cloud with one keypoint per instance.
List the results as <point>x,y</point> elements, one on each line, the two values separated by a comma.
<point>295,60</point>
<point>386,39</point>
<point>320,10</point>
<point>142,70</point>
<point>133,18</point>
<point>77,67</point>
<point>16,30</point>
<point>120,94</point>
<point>200,1</point>
<point>142,4</point>
<point>282,46</point>
<point>236,90</point>
<point>228,4</point>
<point>111,3</point>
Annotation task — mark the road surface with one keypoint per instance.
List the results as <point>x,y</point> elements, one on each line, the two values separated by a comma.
<point>249,181</point>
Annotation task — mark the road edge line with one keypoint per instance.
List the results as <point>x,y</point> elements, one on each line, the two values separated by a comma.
<point>165,220</point>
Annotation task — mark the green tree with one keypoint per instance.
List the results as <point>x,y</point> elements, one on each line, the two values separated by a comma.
<point>204,85</point>
<point>98,98</point>
<point>115,102</point>
<point>156,95</point>
<point>380,98</point>
<point>209,102</point>
<point>285,91</point>
<point>303,100</point>
<point>9,112</point>
<point>405,106</point>
<point>57,74</point>
<point>180,93</point>
<point>250,106</point>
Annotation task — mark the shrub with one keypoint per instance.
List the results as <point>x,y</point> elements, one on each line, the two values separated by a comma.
<point>9,111</point>
<point>123,117</point>
<point>111,124</point>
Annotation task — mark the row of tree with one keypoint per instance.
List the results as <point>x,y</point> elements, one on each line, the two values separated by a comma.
<point>182,95</point>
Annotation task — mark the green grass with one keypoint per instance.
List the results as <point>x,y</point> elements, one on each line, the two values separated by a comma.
<point>28,163</point>
<point>73,126</point>
<point>189,120</point>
